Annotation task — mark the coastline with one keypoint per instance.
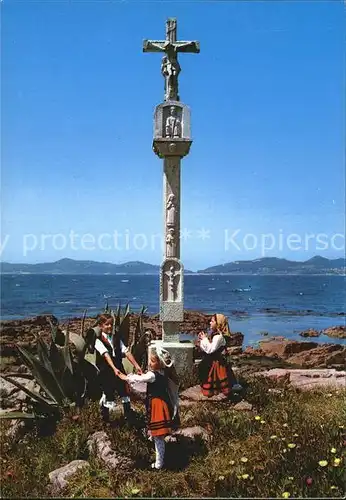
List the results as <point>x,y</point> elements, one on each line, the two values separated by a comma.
<point>321,351</point>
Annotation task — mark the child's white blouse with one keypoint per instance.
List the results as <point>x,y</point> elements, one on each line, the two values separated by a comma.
<point>148,377</point>
<point>210,347</point>
<point>100,347</point>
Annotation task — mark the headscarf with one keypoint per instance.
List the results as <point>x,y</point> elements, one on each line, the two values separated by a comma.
<point>222,324</point>
<point>164,357</point>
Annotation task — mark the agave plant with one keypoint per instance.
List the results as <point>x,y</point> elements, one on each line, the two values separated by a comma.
<point>67,376</point>
<point>61,374</point>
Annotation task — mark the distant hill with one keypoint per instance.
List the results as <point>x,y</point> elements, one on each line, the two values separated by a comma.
<point>266,265</point>
<point>274,265</point>
<point>71,266</point>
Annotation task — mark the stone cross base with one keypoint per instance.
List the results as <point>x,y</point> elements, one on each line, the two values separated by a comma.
<point>181,352</point>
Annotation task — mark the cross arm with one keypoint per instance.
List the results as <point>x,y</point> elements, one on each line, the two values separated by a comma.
<point>154,45</point>
<point>187,47</point>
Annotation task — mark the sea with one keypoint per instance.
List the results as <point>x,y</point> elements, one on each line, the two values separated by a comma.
<point>255,305</point>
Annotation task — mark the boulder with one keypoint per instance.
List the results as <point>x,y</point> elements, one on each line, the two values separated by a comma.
<point>335,331</point>
<point>303,354</point>
<point>307,379</point>
<point>310,333</point>
<point>58,477</point>
<point>100,444</point>
<point>193,432</point>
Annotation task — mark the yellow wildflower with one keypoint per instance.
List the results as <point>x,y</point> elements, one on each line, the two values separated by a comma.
<point>290,478</point>
<point>337,462</point>
<point>333,450</point>
<point>291,445</point>
<point>286,494</point>
<point>257,417</point>
<point>263,422</point>
<point>244,459</point>
<point>323,463</point>
<point>245,476</point>
<point>273,436</point>
<point>333,487</point>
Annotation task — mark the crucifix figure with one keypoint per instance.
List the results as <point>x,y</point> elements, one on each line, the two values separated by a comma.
<point>171,274</point>
<point>170,67</point>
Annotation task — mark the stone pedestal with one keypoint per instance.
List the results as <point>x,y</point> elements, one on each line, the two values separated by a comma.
<point>181,352</point>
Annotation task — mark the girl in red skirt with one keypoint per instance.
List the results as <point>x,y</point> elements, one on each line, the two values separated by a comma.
<point>216,376</point>
<point>161,407</point>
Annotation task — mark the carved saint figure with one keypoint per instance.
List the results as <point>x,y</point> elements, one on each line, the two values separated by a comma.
<point>171,245</point>
<point>173,124</point>
<point>171,210</point>
<point>172,275</point>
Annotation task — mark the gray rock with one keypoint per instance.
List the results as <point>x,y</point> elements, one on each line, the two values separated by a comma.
<point>100,444</point>
<point>308,379</point>
<point>193,432</point>
<point>58,477</point>
<point>195,394</point>
<point>243,406</point>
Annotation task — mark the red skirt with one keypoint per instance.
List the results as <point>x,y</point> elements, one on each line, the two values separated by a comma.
<point>217,380</point>
<point>160,423</point>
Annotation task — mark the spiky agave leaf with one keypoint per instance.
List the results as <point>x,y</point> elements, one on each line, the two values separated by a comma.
<point>117,318</point>
<point>57,360</point>
<point>42,350</point>
<point>56,333</point>
<point>127,309</point>
<point>44,358</point>
<point>43,376</point>
<point>124,328</point>
<point>14,415</point>
<point>49,405</point>
<point>67,353</point>
<point>83,322</point>
<point>138,329</point>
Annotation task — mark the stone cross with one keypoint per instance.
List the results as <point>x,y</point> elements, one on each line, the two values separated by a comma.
<point>170,67</point>
<point>172,141</point>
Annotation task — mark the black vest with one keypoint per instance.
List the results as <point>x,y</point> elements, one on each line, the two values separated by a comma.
<point>159,388</point>
<point>101,363</point>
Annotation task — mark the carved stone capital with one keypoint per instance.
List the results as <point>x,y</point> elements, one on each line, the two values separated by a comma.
<point>171,147</point>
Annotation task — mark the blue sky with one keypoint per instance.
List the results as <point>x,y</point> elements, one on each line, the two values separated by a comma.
<point>266,97</point>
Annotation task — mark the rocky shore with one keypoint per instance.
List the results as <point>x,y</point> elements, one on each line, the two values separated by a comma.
<point>272,351</point>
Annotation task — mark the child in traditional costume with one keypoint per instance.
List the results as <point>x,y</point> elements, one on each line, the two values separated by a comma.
<point>161,402</point>
<point>109,362</point>
<point>216,375</point>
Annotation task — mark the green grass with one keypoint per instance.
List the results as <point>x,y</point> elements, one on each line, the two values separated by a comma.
<point>273,451</point>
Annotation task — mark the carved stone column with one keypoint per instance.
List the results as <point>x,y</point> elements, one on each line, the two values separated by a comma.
<point>171,143</point>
